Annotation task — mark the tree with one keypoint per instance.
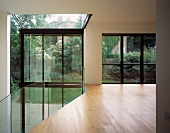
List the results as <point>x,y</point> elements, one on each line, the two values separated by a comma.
<point>108,44</point>
<point>79,22</point>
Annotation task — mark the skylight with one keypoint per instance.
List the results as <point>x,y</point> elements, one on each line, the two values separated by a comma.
<point>57,21</point>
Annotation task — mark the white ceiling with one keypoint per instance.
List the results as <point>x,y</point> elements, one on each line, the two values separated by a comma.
<point>104,11</point>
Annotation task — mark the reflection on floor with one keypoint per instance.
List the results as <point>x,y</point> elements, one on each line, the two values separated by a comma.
<point>106,109</point>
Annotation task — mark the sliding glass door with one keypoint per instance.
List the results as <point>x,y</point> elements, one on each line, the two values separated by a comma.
<point>129,58</point>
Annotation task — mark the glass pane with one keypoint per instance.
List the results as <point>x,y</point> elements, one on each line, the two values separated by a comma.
<point>72,58</point>
<point>131,73</point>
<point>33,107</point>
<point>131,48</point>
<point>53,97</point>
<point>32,58</point>
<point>149,49</point>
<point>27,58</point>
<point>52,58</point>
<point>5,115</point>
<point>71,93</point>
<point>46,102</point>
<point>16,112</point>
<point>111,49</point>
<point>111,74</point>
<point>56,21</point>
<point>149,73</point>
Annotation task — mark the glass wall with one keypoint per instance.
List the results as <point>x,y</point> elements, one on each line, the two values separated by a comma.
<point>129,58</point>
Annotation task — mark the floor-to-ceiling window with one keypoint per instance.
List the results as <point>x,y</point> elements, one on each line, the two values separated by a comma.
<point>52,64</point>
<point>50,69</point>
<point>129,58</point>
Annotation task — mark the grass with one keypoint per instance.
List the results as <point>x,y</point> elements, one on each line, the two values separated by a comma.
<point>51,95</point>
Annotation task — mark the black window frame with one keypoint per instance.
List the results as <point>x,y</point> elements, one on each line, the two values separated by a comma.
<point>141,63</point>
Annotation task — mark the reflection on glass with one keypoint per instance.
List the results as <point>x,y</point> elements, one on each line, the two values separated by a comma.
<point>111,49</point>
<point>71,93</point>
<point>33,107</point>
<point>5,111</point>
<point>149,73</point>
<point>16,112</point>
<point>53,100</point>
<point>131,73</point>
<point>111,74</point>
<point>32,58</point>
<point>36,104</point>
<point>52,58</point>
<point>131,49</point>
<point>149,49</point>
<point>72,58</point>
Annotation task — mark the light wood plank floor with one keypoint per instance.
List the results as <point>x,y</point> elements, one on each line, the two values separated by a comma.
<point>106,109</point>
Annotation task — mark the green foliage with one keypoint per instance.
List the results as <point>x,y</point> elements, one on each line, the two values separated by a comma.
<point>26,21</point>
<point>133,43</point>
<point>108,44</point>
<point>132,57</point>
<point>79,22</point>
<point>73,54</point>
<point>112,56</point>
<point>150,54</point>
<point>32,20</point>
<point>15,56</point>
<point>104,51</point>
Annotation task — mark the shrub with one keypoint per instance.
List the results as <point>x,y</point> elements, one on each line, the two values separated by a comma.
<point>132,57</point>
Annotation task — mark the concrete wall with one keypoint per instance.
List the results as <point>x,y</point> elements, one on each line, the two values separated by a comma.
<point>93,45</point>
<point>4,54</point>
<point>163,64</point>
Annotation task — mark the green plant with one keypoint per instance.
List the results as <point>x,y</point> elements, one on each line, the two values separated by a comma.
<point>150,54</point>
<point>132,57</point>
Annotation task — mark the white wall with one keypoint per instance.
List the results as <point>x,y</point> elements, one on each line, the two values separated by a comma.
<point>163,64</point>
<point>93,45</point>
<point>4,54</point>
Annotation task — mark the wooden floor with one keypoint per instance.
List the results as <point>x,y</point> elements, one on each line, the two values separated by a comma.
<point>106,109</point>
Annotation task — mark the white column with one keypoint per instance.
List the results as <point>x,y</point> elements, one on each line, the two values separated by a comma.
<point>4,54</point>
